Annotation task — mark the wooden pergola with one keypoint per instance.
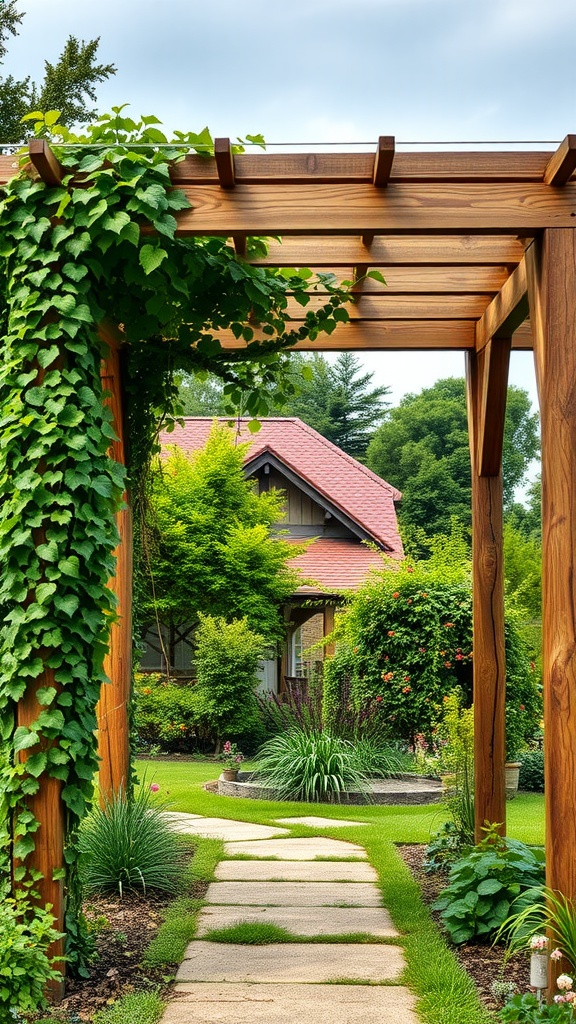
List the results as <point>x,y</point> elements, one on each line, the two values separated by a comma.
<point>471,244</point>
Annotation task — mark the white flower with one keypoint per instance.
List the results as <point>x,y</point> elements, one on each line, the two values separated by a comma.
<point>538,942</point>
<point>564,981</point>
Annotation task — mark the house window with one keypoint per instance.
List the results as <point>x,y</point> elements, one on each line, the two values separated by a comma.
<point>299,665</point>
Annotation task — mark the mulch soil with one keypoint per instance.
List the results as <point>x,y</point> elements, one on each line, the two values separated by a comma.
<point>482,962</point>
<point>124,927</point>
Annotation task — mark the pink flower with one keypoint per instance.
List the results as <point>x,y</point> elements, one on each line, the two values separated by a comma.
<point>154,787</point>
<point>556,954</point>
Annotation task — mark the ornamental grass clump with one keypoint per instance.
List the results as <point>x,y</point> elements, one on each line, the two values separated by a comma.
<point>311,766</point>
<point>128,844</point>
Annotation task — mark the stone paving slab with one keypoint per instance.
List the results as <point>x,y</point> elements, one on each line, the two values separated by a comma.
<point>297,849</point>
<point>303,920</point>
<point>298,964</point>
<point>316,822</point>
<point>221,828</point>
<point>295,894</point>
<point>294,871</point>
<point>290,1004</point>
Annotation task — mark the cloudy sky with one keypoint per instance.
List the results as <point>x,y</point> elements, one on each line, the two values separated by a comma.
<point>331,71</point>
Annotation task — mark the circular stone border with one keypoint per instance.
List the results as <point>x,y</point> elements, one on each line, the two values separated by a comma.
<point>383,791</point>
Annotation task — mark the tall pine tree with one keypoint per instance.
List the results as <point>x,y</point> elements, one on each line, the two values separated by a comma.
<point>67,86</point>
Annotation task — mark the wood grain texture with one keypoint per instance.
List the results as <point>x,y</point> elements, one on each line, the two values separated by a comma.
<point>392,335</point>
<point>561,166</point>
<point>354,209</point>
<point>384,306</point>
<point>383,161</point>
<point>112,709</point>
<point>551,268</point>
<point>224,163</point>
<point>423,280</point>
<point>489,672</point>
<point>47,807</point>
<point>507,310</point>
<point>344,251</point>
<point>493,367</point>
<point>43,159</point>
<point>328,627</point>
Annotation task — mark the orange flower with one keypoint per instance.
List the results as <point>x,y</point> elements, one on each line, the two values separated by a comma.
<point>183,727</point>
<point>447,664</point>
<point>448,625</point>
<point>406,689</point>
<point>391,632</point>
<point>147,690</point>
<point>396,593</point>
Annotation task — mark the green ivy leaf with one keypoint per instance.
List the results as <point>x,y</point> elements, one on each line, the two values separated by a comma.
<point>151,257</point>
<point>24,738</point>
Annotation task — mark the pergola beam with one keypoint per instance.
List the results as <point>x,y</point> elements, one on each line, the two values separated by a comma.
<point>383,161</point>
<point>426,209</point>
<point>45,162</point>
<point>507,310</point>
<point>390,335</point>
<point>381,306</point>
<point>423,280</point>
<point>393,251</point>
<point>563,164</point>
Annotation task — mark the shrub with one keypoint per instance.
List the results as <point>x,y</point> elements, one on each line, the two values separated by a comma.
<point>532,770</point>
<point>127,844</point>
<point>227,656</point>
<point>25,968</point>
<point>483,885</point>
<point>311,766</point>
<point>165,713</point>
<point>380,761</point>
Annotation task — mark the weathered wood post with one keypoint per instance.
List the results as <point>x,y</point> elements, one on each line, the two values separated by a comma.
<point>112,709</point>
<point>551,264</point>
<point>487,378</point>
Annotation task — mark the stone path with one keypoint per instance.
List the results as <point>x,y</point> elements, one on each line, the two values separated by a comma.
<point>288,883</point>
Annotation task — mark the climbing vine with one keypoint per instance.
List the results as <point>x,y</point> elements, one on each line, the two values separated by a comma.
<point>101,246</point>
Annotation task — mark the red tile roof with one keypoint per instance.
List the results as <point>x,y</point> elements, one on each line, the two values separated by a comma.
<point>333,566</point>
<point>361,495</point>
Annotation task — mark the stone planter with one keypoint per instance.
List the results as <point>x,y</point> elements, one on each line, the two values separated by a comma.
<point>230,774</point>
<point>512,773</point>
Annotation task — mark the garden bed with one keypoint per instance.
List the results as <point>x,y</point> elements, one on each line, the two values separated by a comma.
<point>482,962</point>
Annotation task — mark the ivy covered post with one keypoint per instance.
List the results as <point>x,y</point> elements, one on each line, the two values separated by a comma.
<point>112,710</point>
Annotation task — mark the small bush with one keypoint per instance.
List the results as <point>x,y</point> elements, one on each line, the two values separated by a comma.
<point>25,968</point>
<point>380,761</point>
<point>227,656</point>
<point>165,714</point>
<point>311,766</point>
<point>483,885</point>
<point>140,1007</point>
<point>532,770</point>
<point>127,844</point>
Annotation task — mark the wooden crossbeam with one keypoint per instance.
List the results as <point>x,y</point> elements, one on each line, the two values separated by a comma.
<point>330,168</point>
<point>356,209</point>
<point>383,161</point>
<point>224,163</point>
<point>393,335</point>
<point>561,166</point>
<point>416,250</point>
<point>43,159</point>
<point>493,366</point>
<point>423,280</point>
<point>370,306</point>
<point>506,311</point>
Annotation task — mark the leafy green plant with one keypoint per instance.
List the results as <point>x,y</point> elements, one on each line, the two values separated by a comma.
<point>457,730</point>
<point>532,770</point>
<point>527,1009</point>
<point>548,910</point>
<point>127,844</point>
<point>444,848</point>
<point>379,760</point>
<point>227,656</point>
<point>144,1007</point>
<point>483,885</point>
<point>26,933</point>
<point>311,766</point>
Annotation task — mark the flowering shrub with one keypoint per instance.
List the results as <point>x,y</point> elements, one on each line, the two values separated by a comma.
<point>407,639</point>
<point>231,757</point>
<point>165,713</point>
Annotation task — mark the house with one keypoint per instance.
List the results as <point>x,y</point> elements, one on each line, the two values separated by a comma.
<point>346,511</point>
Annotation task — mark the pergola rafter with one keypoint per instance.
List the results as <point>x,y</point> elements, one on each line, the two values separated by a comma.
<point>469,244</point>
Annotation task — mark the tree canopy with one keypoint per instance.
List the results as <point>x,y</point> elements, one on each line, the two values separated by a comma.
<point>68,85</point>
<point>213,548</point>
<point>423,449</point>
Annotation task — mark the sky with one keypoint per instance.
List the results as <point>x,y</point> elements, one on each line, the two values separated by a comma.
<point>332,71</point>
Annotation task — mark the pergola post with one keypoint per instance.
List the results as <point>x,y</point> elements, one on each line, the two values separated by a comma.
<point>112,709</point>
<point>551,265</point>
<point>487,378</point>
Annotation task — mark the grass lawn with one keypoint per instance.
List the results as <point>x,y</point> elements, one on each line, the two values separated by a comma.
<point>181,786</point>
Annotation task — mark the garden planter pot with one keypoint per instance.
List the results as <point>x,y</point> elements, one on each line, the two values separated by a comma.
<point>230,774</point>
<point>512,771</point>
<point>539,970</point>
